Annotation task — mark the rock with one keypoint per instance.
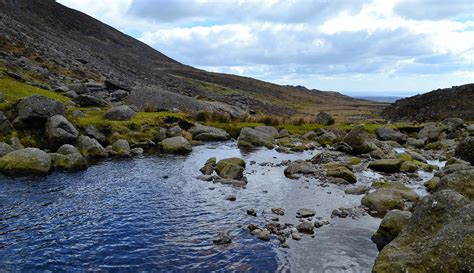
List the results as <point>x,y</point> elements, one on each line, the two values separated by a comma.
<point>174,131</point>
<point>136,151</point>
<point>267,130</point>
<point>67,149</point>
<point>232,182</point>
<point>278,211</point>
<point>119,95</point>
<point>230,168</point>
<point>305,213</point>
<point>386,165</point>
<point>437,238</point>
<point>209,166</point>
<point>254,138</point>
<point>357,190</point>
<point>431,184</point>
<point>296,236</point>
<point>284,133</point>
<point>89,101</point>
<point>116,85</point>
<point>430,132</point>
<point>305,227</point>
<point>343,173</point>
<point>418,157</point>
<point>390,134</point>
<point>35,110</point>
<point>161,133</point>
<point>123,112</point>
<point>60,131</point>
<point>68,162</point>
<point>207,178</point>
<point>455,160</point>
<point>231,198</point>
<point>343,147</point>
<point>409,167</point>
<point>263,234</point>
<point>324,118</point>
<point>358,140</point>
<point>327,138</point>
<point>453,124</point>
<point>299,168</point>
<point>90,147</point>
<point>310,136</point>
<point>5,125</point>
<point>461,182</point>
<point>121,148</point>
<point>384,199</point>
<point>465,150</point>
<point>25,161</point>
<point>207,133</point>
<point>222,238</point>
<point>176,145</point>
<point>390,227</point>
<point>417,143</point>
<point>252,212</point>
<point>16,144</point>
<point>70,94</point>
<point>92,131</point>
<point>5,149</point>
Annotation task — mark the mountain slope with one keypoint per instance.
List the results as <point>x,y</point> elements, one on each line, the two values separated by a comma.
<point>457,101</point>
<point>65,45</point>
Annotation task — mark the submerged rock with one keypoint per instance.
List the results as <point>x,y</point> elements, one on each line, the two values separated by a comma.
<point>222,238</point>
<point>25,161</point>
<point>437,238</point>
<point>390,227</point>
<point>176,145</point>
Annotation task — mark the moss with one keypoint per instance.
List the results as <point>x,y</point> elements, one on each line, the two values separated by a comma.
<point>14,90</point>
<point>355,160</point>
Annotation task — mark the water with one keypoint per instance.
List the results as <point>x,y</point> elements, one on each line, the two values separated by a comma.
<point>125,215</point>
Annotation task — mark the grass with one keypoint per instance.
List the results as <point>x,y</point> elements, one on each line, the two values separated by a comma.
<point>13,91</point>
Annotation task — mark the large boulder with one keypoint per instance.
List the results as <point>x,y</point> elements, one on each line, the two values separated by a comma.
<point>254,138</point>
<point>342,172</point>
<point>390,134</point>
<point>296,169</point>
<point>68,162</point>
<point>386,165</point>
<point>390,196</point>
<point>324,118</point>
<point>358,140</point>
<point>35,110</point>
<point>25,161</point>
<point>231,168</point>
<point>92,131</point>
<point>465,150</point>
<point>209,166</point>
<point>390,227</point>
<point>430,132</point>
<point>268,130</point>
<point>460,181</point>
<point>452,124</point>
<point>437,238</point>
<point>90,147</point>
<point>208,133</point>
<point>60,131</point>
<point>121,147</point>
<point>122,112</point>
<point>176,145</point>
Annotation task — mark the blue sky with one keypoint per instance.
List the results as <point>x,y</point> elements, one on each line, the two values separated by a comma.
<point>357,47</point>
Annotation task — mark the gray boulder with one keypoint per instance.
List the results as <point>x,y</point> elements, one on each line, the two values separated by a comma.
<point>437,238</point>
<point>465,150</point>
<point>358,140</point>
<point>68,162</point>
<point>461,181</point>
<point>67,149</point>
<point>430,132</point>
<point>35,110</point>
<point>60,131</point>
<point>92,131</point>
<point>324,118</point>
<point>161,133</point>
<point>390,227</point>
<point>25,161</point>
<point>90,147</point>
<point>268,130</point>
<point>174,131</point>
<point>231,168</point>
<point>452,124</point>
<point>176,145</point>
<point>207,133</point>
<point>5,149</point>
<point>249,138</point>
<point>89,101</point>
<point>390,134</point>
<point>121,147</point>
<point>123,112</point>
<point>388,198</point>
<point>386,165</point>
<point>296,169</point>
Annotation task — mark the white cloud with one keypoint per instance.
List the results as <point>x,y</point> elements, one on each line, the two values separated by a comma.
<point>334,45</point>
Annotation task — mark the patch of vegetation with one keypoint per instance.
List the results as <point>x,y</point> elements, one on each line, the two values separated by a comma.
<point>13,91</point>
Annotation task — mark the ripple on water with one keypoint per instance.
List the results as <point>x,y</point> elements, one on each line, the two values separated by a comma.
<point>124,214</point>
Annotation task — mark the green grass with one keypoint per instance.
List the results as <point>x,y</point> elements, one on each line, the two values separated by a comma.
<point>14,90</point>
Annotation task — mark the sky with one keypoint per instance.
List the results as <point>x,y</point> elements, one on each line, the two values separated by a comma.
<point>356,47</point>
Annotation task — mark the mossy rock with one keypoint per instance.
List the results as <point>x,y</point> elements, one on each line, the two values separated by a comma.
<point>25,162</point>
<point>69,162</point>
<point>231,168</point>
<point>390,227</point>
<point>342,172</point>
<point>355,160</point>
<point>386,165</point>
<point>176,145</point>
<point>409,167</point>
<point>461,181</point>
<point>388,198</point>
<point>431,184</point>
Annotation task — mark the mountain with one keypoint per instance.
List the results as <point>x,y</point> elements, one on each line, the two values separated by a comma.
<point>454,102</point>
<point>62,45</point>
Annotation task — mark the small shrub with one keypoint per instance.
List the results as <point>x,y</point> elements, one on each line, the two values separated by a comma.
<point>203,116</point>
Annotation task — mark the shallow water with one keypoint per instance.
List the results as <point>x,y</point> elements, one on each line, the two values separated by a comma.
<point>124,214</point>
